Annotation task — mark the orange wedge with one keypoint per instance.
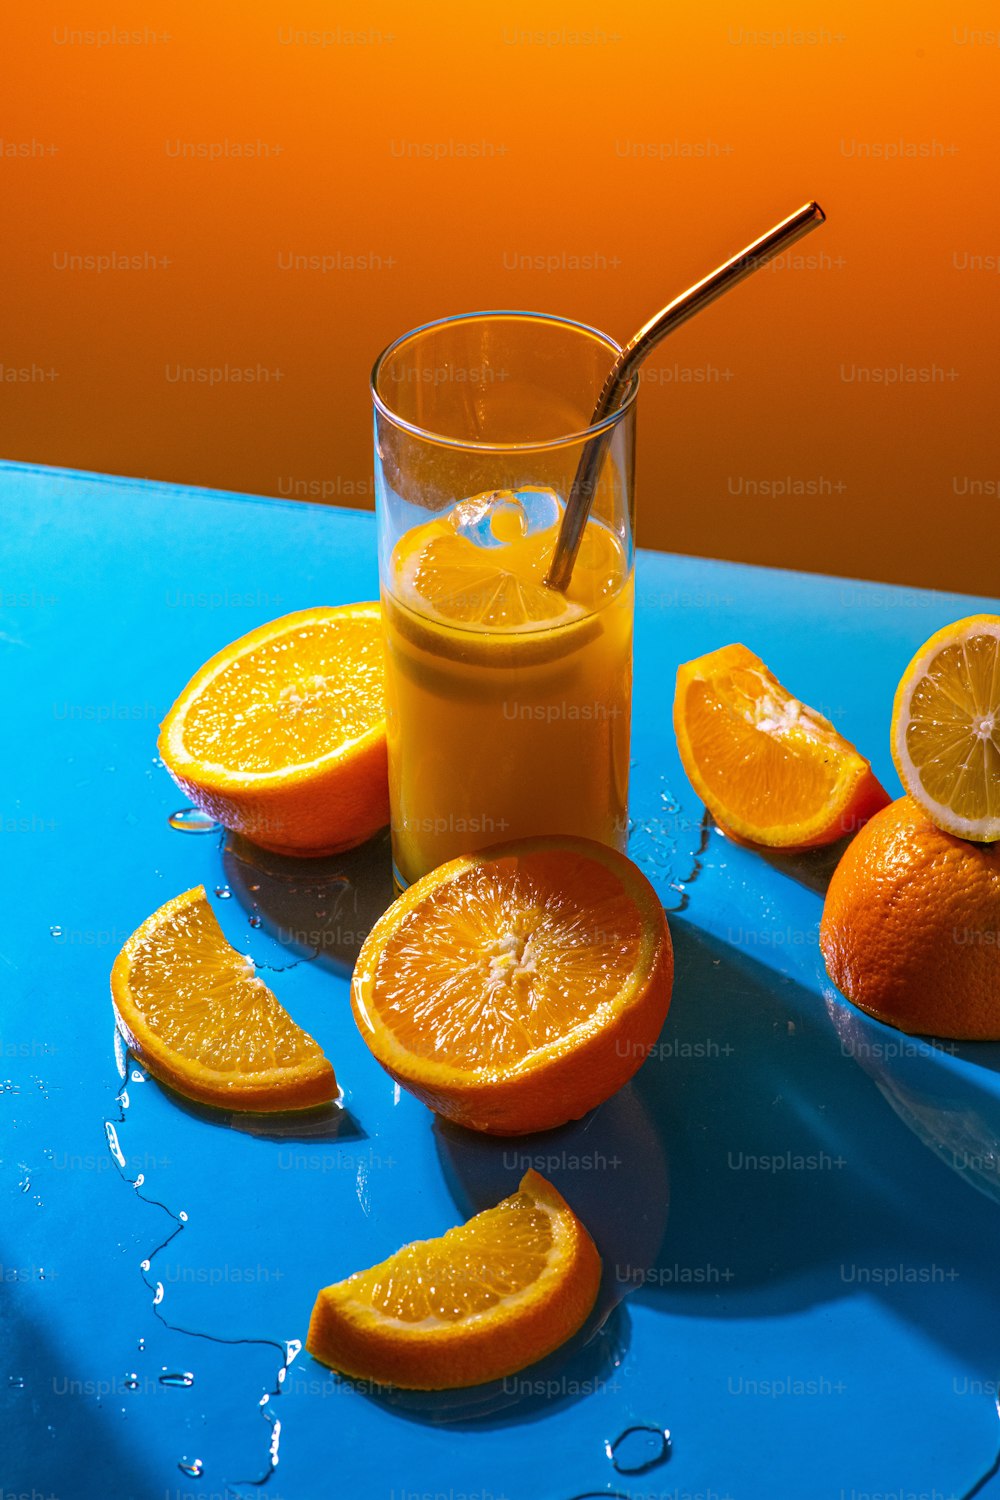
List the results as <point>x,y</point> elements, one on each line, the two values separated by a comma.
<point>768,768</point>
<point>514,989</point>
<point>484,1301</point>
<point>193,1011</point>
<point>946,728</point>
<point>281,736</point>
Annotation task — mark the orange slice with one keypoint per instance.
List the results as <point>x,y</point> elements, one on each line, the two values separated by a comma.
<point>514,989</point>
<point>445,574</point>
<point>946,728</point>
<point>281,736</point>
<point>193,1011</point>
<point>455,600</point>
<point>485,1300</point>
<point>768,768</point>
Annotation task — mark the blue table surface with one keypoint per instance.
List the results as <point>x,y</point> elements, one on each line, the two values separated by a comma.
<point>796,1205</point>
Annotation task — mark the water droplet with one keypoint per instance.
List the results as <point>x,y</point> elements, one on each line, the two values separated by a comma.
<point>254,921</point>
<point>639,1448</point>
<point>138,1077</point>
<point>131,1381</point>
<point>193,820</point>
<point>123,1099</point>
<point>255,887</point>
<point>113,1146</point>
<point>223,892</point>
<point>25,1182</point>
<point>294,1349</point>
<point>158,1294</point>
<point>16,1382</point>
<point>140,1179</point>
<point>55,932</point>
<point>144,1265</point>
<point>177,1377</point>
<point>193,1468</point>
<point>48,1153</point>
<point>141,1344</point>
<point>183,1217</point>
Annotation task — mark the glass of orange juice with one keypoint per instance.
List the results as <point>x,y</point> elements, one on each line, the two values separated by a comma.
<point>508,703</point>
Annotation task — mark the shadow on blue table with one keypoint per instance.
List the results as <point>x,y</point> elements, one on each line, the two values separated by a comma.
<point>327,1122</point>
<point>319,909</point>
<point>790,1184</point>
<point>790,1179</point>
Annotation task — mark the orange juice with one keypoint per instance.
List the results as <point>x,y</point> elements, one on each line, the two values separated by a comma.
<point>507,703</point>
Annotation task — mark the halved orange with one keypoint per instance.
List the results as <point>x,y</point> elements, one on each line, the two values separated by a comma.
<point>514,989</point>
<point>281,736</point>
<point>482,1302</point>
<point>768,768</point>
<point>946,728</point>
<point>193,1011</point>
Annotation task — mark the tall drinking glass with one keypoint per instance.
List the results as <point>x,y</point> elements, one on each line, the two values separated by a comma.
<point>507,703</point>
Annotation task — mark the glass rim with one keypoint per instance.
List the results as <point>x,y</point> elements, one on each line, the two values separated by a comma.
<point>486,447</point>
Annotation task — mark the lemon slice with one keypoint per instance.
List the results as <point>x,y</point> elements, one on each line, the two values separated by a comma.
<point>946,728</point>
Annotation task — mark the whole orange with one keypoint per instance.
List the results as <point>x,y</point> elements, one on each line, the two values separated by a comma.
<point>911,926</point>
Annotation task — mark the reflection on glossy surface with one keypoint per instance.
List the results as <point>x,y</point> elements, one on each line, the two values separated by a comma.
<point>958,1122</point>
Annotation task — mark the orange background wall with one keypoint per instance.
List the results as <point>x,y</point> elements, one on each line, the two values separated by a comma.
<point>629,146</point>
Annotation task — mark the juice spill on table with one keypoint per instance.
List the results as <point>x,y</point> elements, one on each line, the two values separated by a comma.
<point>507,703</point>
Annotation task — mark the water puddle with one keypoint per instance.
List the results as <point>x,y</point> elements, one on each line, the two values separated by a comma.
<point>669,847</point>
<point>639,1448</point>
<point>184,1379</point>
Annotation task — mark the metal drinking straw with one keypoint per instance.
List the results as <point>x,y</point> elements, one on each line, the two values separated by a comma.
<point>581,495</point>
